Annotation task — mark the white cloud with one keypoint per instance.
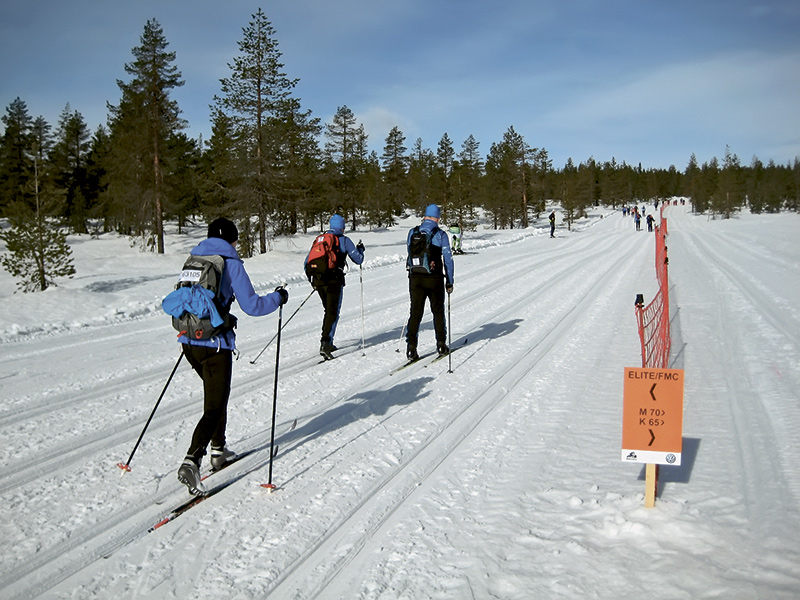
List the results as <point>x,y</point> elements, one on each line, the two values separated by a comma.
<point>747,98</point>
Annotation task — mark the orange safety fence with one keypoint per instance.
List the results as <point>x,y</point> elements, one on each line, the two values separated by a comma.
<point>654,318</point>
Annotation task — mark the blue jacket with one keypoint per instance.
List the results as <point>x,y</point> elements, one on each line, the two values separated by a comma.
<point>235,282</point>
<point>440,239</point>
<point>196,300</point>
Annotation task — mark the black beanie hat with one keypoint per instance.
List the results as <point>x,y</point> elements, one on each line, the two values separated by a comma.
<point>223,228</point>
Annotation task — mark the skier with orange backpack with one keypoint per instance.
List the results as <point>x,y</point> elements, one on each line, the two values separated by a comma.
<point>324,267</point>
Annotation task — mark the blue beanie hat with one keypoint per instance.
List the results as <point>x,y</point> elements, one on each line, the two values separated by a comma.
<point>433,211</point>
<point>336,224</point>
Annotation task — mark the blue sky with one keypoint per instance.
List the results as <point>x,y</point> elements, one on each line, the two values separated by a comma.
<point>644,81</point>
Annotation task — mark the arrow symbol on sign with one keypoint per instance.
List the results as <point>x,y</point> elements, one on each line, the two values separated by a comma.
<point>652,395</point>
<point>652,437</point>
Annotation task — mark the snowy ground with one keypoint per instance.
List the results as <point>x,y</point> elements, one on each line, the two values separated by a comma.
<point>501,479</point>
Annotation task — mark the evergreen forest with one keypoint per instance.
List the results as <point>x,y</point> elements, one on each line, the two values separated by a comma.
<point>276,169</point>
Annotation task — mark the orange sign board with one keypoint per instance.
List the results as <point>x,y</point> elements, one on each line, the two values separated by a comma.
<point>652,416</point>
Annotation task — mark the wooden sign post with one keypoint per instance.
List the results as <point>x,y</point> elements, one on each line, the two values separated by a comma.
<point>652,421</point>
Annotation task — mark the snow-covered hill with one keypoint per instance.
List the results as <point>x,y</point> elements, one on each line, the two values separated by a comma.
<point>500,479</point>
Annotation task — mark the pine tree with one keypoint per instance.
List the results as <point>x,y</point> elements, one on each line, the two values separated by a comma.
<point>96,161</point>
<point>181,178</point>
<point>345,156</point>
<point>141,127</point>
<point>375,208</point>
<point>252,94</point>
<point>37,253</point>
<point>691,181</point>
<point>708,185</point>
<point>468,173</point>
<point>395,163</point>
<point>296,160</point>
<point>570,192</point>
<point>730,196</point>
<point>508,178</point>
<point>445,155</point>
<point>69,160</point>
<point>421,164</point>
<point>16,164</point>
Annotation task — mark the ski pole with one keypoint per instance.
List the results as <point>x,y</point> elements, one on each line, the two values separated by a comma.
<point>127,465</point>
<point>269,485</point>
<point>400,340</point>
<point>252,362</point>
<point>449,337</point>
<point>361,280</point>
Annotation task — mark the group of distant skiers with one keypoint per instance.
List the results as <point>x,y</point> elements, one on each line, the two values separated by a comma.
<point>214,276</point>
<point>637,217</point>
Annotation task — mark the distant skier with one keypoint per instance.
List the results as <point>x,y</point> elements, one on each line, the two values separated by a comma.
<point>650,221</point>
<point>456,234</point>
<point>330,283</point>
<point>637,219</point>
<point>212,358</point>
<point>429,265</point>
<point>552,219</point>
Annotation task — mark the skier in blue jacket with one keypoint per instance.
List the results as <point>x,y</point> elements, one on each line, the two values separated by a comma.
<point>212,359</point>
<point>430,286</point>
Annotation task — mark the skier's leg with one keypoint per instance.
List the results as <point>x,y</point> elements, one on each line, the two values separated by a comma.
<point>216,366</point>
<point>333,294</point>
<point>417,296</point>
<point>436,295</point>
<point>337,310</point>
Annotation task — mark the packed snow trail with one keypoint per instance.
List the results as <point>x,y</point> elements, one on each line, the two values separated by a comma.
<point>500,479</point>
<point>314,573</point>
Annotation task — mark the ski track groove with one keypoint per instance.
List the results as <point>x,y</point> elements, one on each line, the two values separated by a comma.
<point>749,411</point>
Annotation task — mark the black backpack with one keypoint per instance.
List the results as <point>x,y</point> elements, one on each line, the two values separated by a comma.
<point>206,272</point>
<point>419,250</point>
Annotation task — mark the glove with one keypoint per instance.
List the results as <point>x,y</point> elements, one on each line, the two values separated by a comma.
<point>449,289</point>
<point>284,294</point>
<point>360,247</point>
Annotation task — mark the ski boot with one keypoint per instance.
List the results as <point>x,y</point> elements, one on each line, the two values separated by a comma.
<point>189,475</point>
<point>221,456</point>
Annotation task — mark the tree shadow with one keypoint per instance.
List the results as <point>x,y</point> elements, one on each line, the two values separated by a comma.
<point>118,285</point>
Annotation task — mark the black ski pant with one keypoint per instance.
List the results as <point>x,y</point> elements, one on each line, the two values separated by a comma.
<point>215,367</point>
<point>422,288</point>
<point>331,296</point>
